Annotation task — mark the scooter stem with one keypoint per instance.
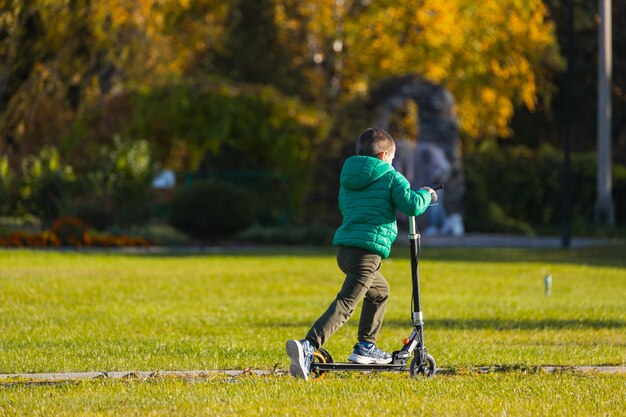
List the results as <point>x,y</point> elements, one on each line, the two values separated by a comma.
<point>414,241</point>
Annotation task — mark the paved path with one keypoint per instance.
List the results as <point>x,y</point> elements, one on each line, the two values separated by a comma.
<point>129,375</point>
<point>46,378</point>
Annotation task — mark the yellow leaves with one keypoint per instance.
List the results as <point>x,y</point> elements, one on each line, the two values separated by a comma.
<point>439,22</point>
<point>488,105</point>
<point>499,70</point>
<point>117,13</point>
<point>435,73</point>
<point>152,39</point>
<point>386,64</point>
<point>516,25</point>
<point>488,96</point>
<point>504,111</point>
<point>485,52</point>
<point>529,94</point>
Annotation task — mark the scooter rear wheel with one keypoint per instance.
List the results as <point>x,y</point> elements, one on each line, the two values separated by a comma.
<point>428,369</point>
<point>320,356</point>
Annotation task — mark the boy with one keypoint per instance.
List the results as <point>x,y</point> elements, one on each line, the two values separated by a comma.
<point>370,192</point>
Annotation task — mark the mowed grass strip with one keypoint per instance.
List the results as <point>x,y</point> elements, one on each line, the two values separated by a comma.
<point>72,312</point>
<point>513,394</point>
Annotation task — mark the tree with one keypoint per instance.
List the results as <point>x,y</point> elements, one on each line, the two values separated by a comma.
<point>251,50</point>
<point>493,55</point>
<point>585,74</point>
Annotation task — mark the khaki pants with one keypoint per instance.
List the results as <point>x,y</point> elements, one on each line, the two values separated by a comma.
<point>363,282</point>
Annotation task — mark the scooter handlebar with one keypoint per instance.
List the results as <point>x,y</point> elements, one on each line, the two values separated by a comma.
<point>434,195</point>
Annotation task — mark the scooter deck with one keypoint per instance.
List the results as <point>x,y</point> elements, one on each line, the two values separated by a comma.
<point>350,366</point>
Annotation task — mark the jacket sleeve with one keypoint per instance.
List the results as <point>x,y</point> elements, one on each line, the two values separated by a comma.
<point>411,203</point>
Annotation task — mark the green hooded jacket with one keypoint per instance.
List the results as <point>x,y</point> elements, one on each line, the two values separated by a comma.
<point>369,194</point>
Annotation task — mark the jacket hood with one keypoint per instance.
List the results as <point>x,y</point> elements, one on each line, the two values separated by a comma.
<point>360,171</point>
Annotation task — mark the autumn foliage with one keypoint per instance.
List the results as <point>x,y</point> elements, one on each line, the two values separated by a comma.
<point>119,88</point>
<point>68,231</point>
<point>65,56</point>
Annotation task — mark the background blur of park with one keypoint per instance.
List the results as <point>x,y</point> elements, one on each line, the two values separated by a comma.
<point>128,122</point>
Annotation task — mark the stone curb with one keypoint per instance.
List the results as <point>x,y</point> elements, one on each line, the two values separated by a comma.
<point>30,378</point>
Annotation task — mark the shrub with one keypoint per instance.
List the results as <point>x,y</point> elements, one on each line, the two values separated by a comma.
<point>97,214</point>
<point>70,231</point>
<point>49,239</point>
<point>134,167</point>
<point>194,124</point>
<point>485,215</point>
<point>5,181</point>
<point>519,190</point>
<point>118,241</point>
<point>315,234</point>
<point>46,185</point>
<point>21,239</point>
<point>133,206</point>
<point>49,196</point>
<point>211,209</point>
<point>111,186</point>
<point>116,187</point>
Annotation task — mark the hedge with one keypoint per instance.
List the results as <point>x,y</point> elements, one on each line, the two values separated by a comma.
<point>519,190</point>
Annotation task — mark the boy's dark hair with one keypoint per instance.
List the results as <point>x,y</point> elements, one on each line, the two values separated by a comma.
<point>373,141</point>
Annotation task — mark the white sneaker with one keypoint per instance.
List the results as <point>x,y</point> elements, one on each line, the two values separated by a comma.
<point>367,353</point>
<point>301,355</point>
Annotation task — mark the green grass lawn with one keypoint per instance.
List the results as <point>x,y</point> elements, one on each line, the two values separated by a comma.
<point>511,394</point>
<point>483,307</point>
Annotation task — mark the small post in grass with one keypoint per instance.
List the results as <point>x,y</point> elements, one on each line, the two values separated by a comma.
<point>548,285</point>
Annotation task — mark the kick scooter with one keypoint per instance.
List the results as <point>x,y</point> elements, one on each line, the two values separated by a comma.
<point>422,364</point>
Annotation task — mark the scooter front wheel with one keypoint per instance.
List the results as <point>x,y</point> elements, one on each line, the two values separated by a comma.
<point>428,369</point>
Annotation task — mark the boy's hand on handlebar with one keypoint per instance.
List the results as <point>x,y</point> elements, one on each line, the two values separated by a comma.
<point>433,194</point>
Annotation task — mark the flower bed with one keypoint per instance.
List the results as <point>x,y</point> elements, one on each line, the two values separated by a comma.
<point>50,240</point>
<point>68,232</point>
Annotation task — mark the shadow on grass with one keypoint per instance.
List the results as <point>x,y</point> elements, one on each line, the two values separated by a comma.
<point>511,324</point>
<point>482,324</point>
<point>606,255</point>
<point>230,251</point>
